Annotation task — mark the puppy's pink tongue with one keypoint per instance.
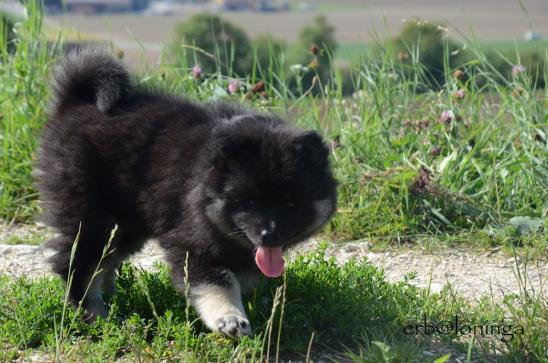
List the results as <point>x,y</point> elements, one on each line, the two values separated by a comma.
<point>270,260</point>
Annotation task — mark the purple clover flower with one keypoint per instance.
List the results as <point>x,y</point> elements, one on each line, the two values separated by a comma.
<point>446,116</point>
<point>233,86</point>
<point>460,93</point>
<point>517,69</point>
<point>197,71</point>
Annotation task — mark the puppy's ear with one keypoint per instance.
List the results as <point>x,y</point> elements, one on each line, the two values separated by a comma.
<point>310,148</point>
<point>230,150</point>
<point>239,148</point>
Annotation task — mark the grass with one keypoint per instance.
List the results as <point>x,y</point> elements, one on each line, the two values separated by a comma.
<point>23,100</point>
<point>361,318</point>
<point>403,174</point>
<point>30,237</point>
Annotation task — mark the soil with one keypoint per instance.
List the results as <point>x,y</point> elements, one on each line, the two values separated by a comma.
<point>469,273</point>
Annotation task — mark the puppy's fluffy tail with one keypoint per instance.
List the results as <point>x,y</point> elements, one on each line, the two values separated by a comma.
<point>89,76</point>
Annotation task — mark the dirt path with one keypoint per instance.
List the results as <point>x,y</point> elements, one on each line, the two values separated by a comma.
<point>469,273</point>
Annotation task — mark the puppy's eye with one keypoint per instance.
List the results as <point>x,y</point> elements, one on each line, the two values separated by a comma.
<point>244,202</point>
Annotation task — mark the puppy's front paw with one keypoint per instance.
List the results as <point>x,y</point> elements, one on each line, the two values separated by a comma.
<point>221,308</point>
<point>233,326</point>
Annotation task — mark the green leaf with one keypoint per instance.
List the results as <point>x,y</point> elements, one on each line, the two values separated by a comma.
<point>443,359</point>
<point>526,224</point>
<point>382,346</point>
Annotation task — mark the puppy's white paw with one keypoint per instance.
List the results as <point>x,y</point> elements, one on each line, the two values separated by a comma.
<point>220,308</point>
<point>234,326</point>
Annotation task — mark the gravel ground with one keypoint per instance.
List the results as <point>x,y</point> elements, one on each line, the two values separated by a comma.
<point>470,273</point>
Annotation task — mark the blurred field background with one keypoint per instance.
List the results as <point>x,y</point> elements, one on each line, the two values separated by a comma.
<point>499,24</point>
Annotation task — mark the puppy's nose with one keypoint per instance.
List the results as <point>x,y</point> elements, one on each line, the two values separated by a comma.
<point>268,236</point>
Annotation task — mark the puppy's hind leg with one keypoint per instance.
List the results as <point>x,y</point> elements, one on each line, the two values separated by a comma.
<point>110,266</point>
<point>109,278</point>
<point>79,265</point>
<point>127,240</point>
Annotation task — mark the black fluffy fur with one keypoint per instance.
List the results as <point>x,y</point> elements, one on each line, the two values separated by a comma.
<point>113,153</point>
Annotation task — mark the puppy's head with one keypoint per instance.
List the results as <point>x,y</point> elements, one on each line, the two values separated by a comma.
<point>269,185</point>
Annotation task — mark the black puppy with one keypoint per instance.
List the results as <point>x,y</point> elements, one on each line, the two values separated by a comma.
<point>230,187</point>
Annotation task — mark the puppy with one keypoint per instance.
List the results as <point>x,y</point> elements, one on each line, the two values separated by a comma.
<point>230,187</point>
